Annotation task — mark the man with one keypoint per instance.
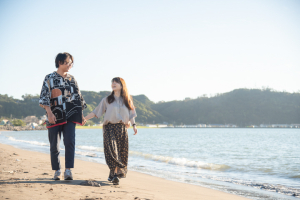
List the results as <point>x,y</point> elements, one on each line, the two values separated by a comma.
<point>63,102</point>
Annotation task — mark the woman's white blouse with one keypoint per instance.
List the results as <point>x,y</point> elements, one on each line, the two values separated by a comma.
<point>115,112</point>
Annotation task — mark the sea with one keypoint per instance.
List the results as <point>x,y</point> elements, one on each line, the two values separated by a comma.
<point>255,163</point>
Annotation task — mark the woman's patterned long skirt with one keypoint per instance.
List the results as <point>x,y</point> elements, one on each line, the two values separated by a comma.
<point>115,139</point>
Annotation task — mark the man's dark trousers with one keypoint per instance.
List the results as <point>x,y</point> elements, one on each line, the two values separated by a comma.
<point>54,134</point>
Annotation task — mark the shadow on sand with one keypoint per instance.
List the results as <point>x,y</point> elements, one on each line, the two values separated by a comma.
<point>51,182</point>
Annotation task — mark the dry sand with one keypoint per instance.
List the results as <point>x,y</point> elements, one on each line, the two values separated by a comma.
<point>28,175</point>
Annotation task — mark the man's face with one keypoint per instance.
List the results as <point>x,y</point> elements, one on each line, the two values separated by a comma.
<point>67,65</point>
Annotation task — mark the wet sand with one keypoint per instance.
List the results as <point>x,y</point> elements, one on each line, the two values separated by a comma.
<point>28,175</point>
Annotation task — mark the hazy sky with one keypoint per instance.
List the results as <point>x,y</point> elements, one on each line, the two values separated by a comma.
<point>167,50</point>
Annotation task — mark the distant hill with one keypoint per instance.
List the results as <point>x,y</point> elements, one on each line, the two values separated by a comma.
<point>29,106</point>
<point>20,108</point>
<point>144,112</point>
<point>143,99</point>
<point>241,107</point>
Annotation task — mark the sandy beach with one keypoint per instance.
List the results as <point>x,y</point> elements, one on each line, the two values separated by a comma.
<point>27,175</point>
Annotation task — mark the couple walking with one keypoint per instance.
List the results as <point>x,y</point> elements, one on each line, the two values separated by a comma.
<point>63,102</point>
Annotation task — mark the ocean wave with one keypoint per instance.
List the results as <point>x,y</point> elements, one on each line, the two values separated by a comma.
<point>88,154</point>
<point>90,148</point>
<point>170,160</point>
<point>273,188</point>
<point>181,161</point>
<point>297,176</point>
<point>281,189</point>
<point>29,142</point>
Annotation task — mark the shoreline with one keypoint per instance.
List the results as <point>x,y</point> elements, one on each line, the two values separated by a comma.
<point>39,128</point>
<point>100,127</point>
<point>21,177</point>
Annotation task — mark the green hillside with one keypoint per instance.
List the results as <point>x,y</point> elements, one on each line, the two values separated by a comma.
<point>29,106</point>
<point>144,112</point>
<point>20,108</point>
<point>241,107</point>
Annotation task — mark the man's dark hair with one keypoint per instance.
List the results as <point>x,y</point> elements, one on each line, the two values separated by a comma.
<point>61,57</point>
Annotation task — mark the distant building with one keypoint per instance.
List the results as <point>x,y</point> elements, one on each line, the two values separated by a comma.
<point>280,126</point>
<point>216,125</point>
<point>252,126</point>
<point>190,126</point>
<point>151,125</point>
<point>206,126</point>
<point>265,126</point>
<point>201,125</point>
<point>295,125</point>
<point>42,119</point>
<point>230,125</point>
<point>162,125</point>
<point>30,119</point>
<point>33,124</point>
<point>3,122</point>
<point>180,126</point>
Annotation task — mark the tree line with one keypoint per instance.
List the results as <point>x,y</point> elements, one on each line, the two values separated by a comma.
<point>241,107</point>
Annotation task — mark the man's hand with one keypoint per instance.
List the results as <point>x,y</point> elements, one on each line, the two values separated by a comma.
<point>51,118</point>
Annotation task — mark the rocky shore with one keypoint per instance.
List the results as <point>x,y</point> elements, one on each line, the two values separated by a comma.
<point>22,128</point>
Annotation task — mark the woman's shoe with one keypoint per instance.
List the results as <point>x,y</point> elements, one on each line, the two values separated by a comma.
<point>115,180</point>
<point>110,178</point>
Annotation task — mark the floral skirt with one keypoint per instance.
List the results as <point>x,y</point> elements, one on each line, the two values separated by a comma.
<point>115,139</point>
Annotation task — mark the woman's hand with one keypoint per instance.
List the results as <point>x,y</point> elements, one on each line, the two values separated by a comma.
<point>89,116</point>
<point>135,130</point>
<point>127,125</point>
<point>83,120</point>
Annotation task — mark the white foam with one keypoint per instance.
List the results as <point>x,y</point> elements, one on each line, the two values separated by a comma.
<point>166,159</point>
<point>180,161</point>
<point>29,142</point>
<point>91,148</point>
<point>89,154</point>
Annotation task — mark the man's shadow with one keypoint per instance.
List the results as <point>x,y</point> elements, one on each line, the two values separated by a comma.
<point>50,181</point>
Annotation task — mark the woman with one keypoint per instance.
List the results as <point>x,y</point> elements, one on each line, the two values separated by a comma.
<point>119,113</point>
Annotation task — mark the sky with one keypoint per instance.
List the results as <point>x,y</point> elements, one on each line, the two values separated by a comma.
<point>166,50</point>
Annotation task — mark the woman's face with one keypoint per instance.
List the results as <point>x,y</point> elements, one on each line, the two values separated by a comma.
<point>116,86</point>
